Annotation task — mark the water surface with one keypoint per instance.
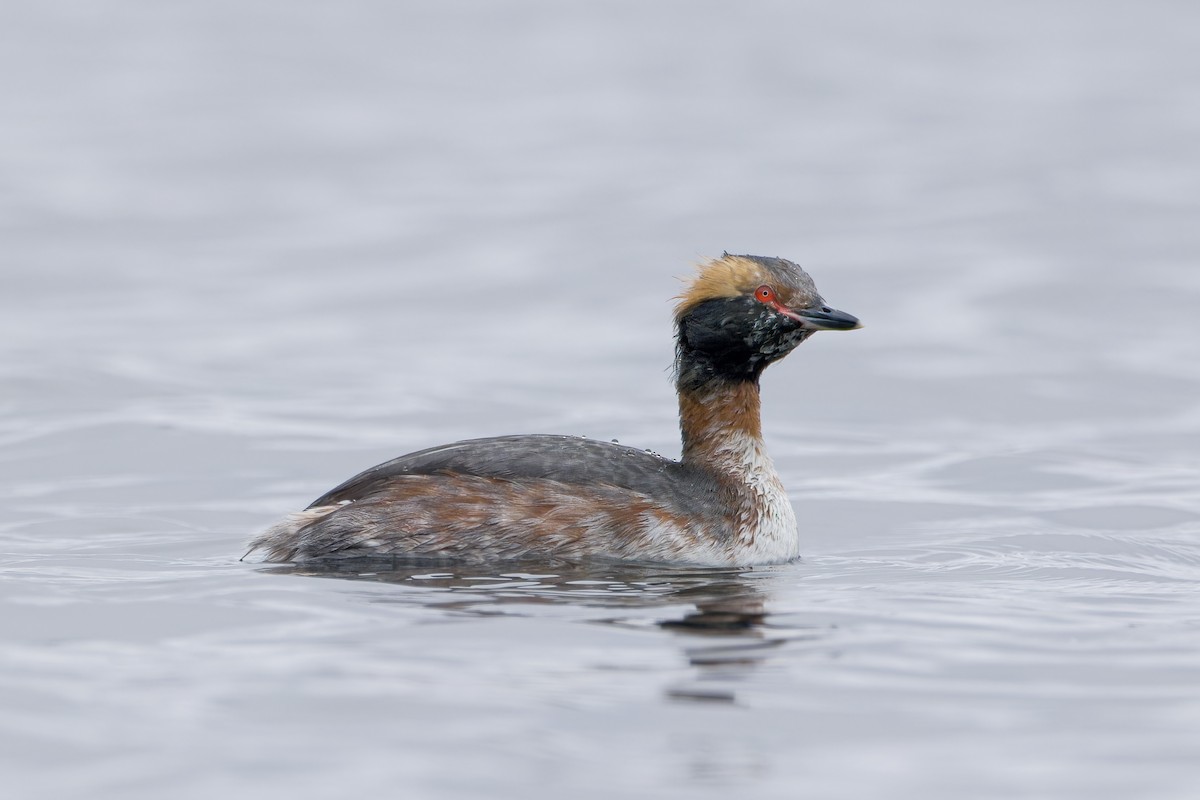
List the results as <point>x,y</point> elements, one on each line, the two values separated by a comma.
<point>250,249</point>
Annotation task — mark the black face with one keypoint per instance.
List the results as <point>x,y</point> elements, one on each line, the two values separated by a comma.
<point>733,339</point>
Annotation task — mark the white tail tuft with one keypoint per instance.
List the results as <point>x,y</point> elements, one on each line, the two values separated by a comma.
<point>279,541</point>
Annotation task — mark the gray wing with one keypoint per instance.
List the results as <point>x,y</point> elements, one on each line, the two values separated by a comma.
<point>566,459</point>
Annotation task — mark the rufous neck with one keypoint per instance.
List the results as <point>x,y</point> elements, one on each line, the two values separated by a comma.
<point>718,421</point>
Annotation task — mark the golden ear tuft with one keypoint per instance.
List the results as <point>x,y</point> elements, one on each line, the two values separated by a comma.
<point>727,276</point>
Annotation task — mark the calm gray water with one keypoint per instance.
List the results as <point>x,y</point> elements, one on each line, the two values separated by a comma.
<point>249,249</point>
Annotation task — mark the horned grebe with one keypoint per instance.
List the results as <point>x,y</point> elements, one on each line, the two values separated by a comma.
<point>516,497</point>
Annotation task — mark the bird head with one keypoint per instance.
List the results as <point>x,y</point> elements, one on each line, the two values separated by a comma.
<point>742,313</point>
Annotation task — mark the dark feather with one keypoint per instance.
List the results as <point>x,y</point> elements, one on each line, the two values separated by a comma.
<point>565,459</point>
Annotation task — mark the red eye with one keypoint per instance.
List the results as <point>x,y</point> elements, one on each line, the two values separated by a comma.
<point>765,294</point>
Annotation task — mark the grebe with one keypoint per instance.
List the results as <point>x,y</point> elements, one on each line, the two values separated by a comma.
<point>565,497</point>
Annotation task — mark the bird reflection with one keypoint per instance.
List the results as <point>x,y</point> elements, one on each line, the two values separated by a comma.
<point>718,616</point>
<point>723,602</point>
<point>722,608</point>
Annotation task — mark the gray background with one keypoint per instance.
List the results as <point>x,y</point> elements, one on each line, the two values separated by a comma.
<point>250,248</point>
